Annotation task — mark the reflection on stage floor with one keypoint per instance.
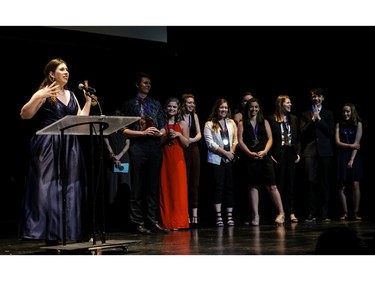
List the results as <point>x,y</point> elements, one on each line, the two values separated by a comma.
<point>241,239</point>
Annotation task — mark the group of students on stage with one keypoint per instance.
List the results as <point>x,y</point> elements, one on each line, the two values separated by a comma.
<point>165,162</point>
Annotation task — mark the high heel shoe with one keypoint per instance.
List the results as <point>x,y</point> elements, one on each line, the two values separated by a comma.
<point>280,219</point>
<point>194,222</point>
<point>219,220</point>
<point>293,218</point>
<point>344,217</point>
<point>357,217</point>
<point>230,221</point>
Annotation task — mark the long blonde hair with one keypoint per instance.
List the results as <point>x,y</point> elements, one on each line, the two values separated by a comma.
<point>183,101</point>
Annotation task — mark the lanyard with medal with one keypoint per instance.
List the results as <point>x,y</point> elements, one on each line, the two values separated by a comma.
<point>224,135</point>
<point>255,131</point>
<point>347,132</point>
<point>285,128</point>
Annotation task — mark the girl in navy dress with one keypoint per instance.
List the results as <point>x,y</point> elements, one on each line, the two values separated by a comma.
<point>349,162</point>
<point>42,215</point>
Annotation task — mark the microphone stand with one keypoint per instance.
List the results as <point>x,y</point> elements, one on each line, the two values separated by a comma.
<point>95,229</point>
<point>96,100</point>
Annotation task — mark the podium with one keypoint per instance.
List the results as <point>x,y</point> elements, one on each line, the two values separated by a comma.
<point>85,125</point>
<point>81,125</point>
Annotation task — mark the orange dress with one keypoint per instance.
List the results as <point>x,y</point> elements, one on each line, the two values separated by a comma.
<point>173,185</point>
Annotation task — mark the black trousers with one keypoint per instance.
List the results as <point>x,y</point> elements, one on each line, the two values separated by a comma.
<point>145,164</point>
<point>222,176</point>
<point>318,174</point>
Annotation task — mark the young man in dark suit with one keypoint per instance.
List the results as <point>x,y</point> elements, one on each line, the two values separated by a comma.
<point>317,134</point>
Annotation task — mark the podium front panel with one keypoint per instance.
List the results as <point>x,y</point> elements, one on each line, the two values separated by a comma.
<point>80,125</point>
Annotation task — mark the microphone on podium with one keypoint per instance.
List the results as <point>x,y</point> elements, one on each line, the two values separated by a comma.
<point>90,92</point>
<point>87,88</point>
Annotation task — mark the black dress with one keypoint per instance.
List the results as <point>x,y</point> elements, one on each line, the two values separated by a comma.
<point>258,171</point>
<point>42,205</point>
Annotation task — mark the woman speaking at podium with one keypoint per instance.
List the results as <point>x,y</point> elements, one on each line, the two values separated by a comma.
<point>42,215</point>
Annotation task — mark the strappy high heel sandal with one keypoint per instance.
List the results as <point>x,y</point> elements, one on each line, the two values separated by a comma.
<point>219,220</point>
<point>280,219</point>
<point>230,221</point>
<point>194,222</point>
<point>293,218</point>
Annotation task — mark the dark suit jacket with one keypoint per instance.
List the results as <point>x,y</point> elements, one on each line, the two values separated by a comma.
<point>317,136</point>
<point>276,135</point>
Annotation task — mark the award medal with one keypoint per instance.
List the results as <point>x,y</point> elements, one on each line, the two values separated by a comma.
<point>224,135</point>
<point>255,131</point>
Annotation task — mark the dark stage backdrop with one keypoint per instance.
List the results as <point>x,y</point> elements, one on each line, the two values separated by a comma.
<point>210,62</point>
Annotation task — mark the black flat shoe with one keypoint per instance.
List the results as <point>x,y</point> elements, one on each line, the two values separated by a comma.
<point>158,228</point>
<point>142,230</point>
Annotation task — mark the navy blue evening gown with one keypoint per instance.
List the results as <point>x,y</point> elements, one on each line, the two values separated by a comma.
<point>42,205</point>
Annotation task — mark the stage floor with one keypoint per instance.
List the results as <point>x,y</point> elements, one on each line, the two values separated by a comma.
<point>267,239</point>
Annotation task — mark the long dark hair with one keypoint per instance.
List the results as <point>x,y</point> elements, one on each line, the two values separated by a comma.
<point>246,116</point>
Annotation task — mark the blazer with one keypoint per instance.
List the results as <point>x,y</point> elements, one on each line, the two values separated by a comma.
<point>213,140</point>
<point>277,135</point>
<point>317,136</point>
